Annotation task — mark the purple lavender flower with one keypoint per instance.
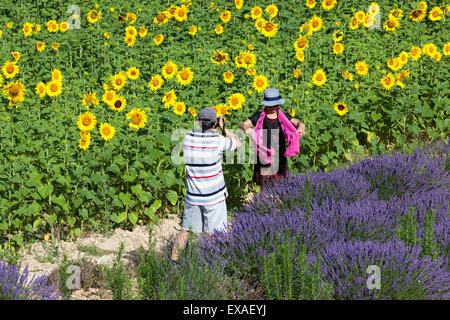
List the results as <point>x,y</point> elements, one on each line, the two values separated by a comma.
<point>16,285</point>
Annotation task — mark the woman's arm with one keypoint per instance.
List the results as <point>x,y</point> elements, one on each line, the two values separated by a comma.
<point>300,126</point>
<point>246,126</point>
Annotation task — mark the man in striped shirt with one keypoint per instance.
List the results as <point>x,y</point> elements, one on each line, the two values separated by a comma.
<point>205,207</point>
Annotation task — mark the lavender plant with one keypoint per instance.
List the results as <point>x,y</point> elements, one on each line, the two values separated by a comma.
<point>17,285</point>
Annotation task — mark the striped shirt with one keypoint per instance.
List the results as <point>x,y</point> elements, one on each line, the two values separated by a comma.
<point>203,152</point>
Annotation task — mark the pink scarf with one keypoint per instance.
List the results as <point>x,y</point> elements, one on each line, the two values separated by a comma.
<point>290,132</point>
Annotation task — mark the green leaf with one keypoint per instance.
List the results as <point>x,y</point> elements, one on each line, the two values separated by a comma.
<point>18,239</point>
<point>172,197</point>
<point>51,218</point>
<point>45,190</point>
<point>71,221</point>
<point>168,178</point>
<point>375,116</point>
<point>132,217</point>
<point>125,198</point>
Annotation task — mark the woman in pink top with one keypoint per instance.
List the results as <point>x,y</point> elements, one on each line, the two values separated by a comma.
<point>272,150</point>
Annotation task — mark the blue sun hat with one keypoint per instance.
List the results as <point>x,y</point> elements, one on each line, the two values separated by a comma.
<point>272,97</point>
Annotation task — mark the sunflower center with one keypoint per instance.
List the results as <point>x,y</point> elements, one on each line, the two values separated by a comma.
<point>315,23</point>
<point>27,28</point>
<point>86,121</point>
<point>301,43</point>
<point>118,81</point>
<point>184,75</point>
<point>14,90</point>
<point>93,15</point>
<point>328,2</point>
<point>110,96</point>
<point>235,101</point>
<point>269,27</point>
<point>259,82</point>
<point>54,87</point>
<point>160,17</point>
<point>319,77</point>
<point>181,13</point>
<point>118,104</point>
<point>136,119</point>
<point>10,68</point>
<point>155,82</point>
<point>388,81</point>
<point>106,131</point>
<point>341,107</point>
<point>435,14</point>
<point>391,24</point>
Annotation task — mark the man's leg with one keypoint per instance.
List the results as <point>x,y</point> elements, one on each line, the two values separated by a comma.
<point>192,220</point>
<point>180,243</point>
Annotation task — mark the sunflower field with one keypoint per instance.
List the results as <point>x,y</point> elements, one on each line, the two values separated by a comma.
<point>92,92</point>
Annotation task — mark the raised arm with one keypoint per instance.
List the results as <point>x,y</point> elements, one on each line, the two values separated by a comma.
<point>247,126</point>
<point>300,126</point>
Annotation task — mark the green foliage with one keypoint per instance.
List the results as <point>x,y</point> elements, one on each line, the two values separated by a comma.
<point>407,232</point>
<point>119,282</point>
<point>287,277</point>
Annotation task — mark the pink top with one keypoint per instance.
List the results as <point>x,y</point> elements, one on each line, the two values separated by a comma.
<point>290,132</point>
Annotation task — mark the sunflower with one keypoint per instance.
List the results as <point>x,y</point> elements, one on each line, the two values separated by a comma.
<point>328,4</point>
<point>394,64</point>
<point>219,57</point>
<point>218,29</point>
<point>436,14</point>
<point>391,24</point>
<point>341,108</point>
<point>193,30</point>
<point>27,29</point>
<point>37,28</point>
<point>301,43</point>
<point>446,49</point>
<point>403,57</point>
<point>310,3</point>
<point>239,4</point>
<point>437,56</point>
<point>63,26</point>
<point>109,97</point>
<point>251,72</point>
<point>228,76</point>
<point>388,81</point>
<point>347,75</point>
<point>142,32</point>
<point>129,40</point>
<point>429,49</point>
<point>415,53</point>
<point>40,46</point>
<point>55,46</point>
<point>269,29</point>
<point>107,131</point>
<point>52,26</point>
<point>316,23</point>
<point>248,59</point>
<point>297,73</point>
<point>360,16</point>
<point>10,69</point>
<point>423,5</point>
<point>181,13</point>
<point>161,18</point>
<point>169,99</point>
<point>221,109</point>
<point>41,89</point>
<point>236,100</point>
<point>417,15</point>
<point>337,36</point>
<point>133,73</point>
<point>90,98</point>
<point>185,76</point>
<point>305,28</point>
<point>94,16</point>
<point>361,68</point>
<point>396,13</point>
<point>354,24</point>
<point>131,31</point>
<point>131,16</point>
<point>179,108</point>
<point>256,12</point>
<point>119,103</point>
<point>169,70</point>
<point>260,83</point>
<point>57,75</point>
<point>300,55</point>
<point>319,78</point>
<point>158,39</point>
<point>86,121</point>
<point>85,140</point>
<point>338,48</point>
<point>225,16</point>
<point>259,23</point>
<point>54,88</point>
<point>15,92</point>
<point>155,83</point>
<point>171,11</point>
<point>118,81</point>
<point>272,10</point>
<point>139,118</point>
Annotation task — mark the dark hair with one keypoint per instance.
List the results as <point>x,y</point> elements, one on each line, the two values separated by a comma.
<point>207,124</point>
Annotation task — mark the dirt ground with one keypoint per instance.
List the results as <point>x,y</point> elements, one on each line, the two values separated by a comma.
<point>45,257</point>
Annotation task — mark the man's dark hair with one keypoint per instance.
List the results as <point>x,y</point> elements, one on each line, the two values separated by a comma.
<point>207,124</point>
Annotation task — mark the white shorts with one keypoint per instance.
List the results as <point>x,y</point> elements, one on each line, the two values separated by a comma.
<point>205,218</point>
